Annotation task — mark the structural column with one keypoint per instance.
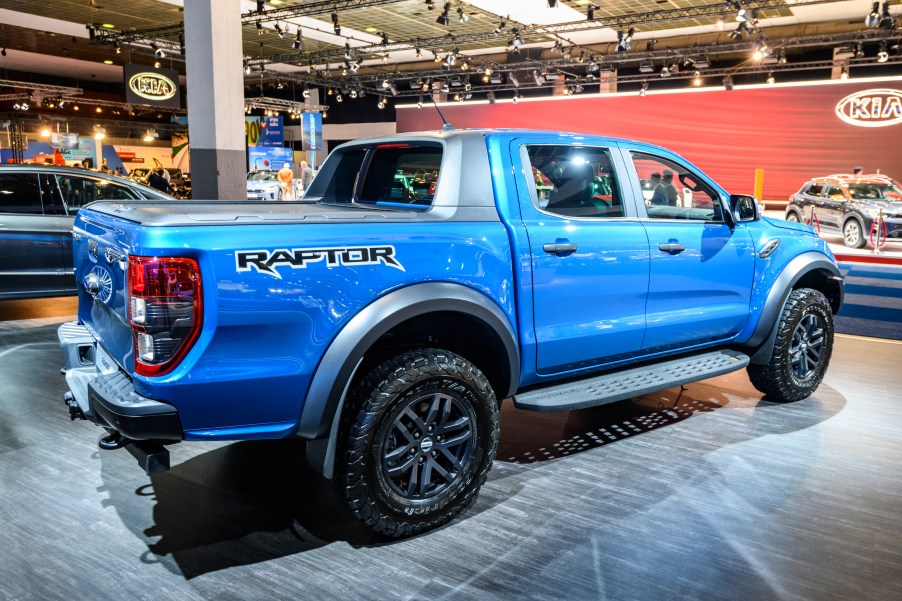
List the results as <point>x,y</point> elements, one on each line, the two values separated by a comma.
<point>215,99</point>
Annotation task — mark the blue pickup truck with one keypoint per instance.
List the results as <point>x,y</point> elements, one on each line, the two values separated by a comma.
<point>424,278</point>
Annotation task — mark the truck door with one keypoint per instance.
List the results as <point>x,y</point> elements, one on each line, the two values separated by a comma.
<point>702,266</point>
<point>588,254</point>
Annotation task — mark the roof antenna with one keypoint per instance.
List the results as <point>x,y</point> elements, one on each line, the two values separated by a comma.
<point>447,126</point>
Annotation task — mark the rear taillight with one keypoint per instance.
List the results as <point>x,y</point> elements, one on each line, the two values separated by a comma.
<point>165,309</point>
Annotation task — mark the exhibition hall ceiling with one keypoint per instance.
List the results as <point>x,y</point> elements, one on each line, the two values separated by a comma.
<point>53,37</point>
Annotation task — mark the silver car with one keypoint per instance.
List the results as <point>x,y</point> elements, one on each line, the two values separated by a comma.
<point>264,185</point>
<point>37,207</point>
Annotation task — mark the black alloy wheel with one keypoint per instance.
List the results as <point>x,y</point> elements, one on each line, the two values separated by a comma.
<point>428,444</point>
<point>418,436</point>
<point>802,349</point>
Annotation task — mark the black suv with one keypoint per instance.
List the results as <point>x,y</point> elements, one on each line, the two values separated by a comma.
<point>849,204</point>
<point>37,207</point>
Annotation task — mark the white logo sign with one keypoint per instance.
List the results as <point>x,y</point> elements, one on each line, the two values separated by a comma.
<point>152,86</point>
<point>871,108</point>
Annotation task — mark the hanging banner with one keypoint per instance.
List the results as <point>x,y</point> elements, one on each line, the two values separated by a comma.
<point>264,131</point>
<point>312,132</point>
<point>156,87</point>
<point>64,140</point>
<point>86,149</point>
<point>181,149</point>
<point>262,158</point>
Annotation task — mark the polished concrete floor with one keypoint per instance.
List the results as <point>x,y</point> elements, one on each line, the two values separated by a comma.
<point>704,493</point>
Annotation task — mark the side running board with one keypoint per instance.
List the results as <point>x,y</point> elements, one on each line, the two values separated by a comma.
<point>630,383</point>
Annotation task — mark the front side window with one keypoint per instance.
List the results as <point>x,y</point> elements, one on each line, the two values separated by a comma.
<point>20,193</point>
<point>673,192</point>
<point>575,181</point>
<point>401,174</point>
<point>78,191</point>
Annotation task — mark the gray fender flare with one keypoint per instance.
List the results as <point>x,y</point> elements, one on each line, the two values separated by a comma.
<point>322,409</point>
<point>761,342</point>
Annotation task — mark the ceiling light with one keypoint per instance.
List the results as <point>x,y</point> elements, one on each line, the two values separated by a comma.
<point>336,26</point>
<point>873,17</point>
<point>45,133</point>
<point>728,82</point>
<point>430,4</point>
<point>742,15</point>
<point>513,80</point>
<point>339,98</point>
<point>771,80</point>
<point>116,47</point>
<point>444,18</point>
<point>665,71</point>
<point>697,79</point>
<point>97,109</point>
<point>280,31</point>
<point>501,25</point>
<point>384,37</point>
<point>590,12</point>
<point>720,23</point>
<point>298,42</point>
<point>382,102</point>
<point>306,93</point>
<point>516,97</point>
<point>552,3</point>
<point>259,28</point>
<point>353,93</point>
<point>518,41</point>
<point>157,64</point>
<point>462,17</point>
<point>643,90</point>
<point>882,55</point>
<point>99,135</point>
<point>844,74</point>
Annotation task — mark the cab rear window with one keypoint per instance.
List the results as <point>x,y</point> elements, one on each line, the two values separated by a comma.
<point>401,175</point>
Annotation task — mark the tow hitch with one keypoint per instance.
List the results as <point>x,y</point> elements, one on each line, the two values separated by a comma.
<point>75,411</point>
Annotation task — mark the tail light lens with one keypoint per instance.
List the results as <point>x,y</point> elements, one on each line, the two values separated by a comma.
<point>165,310</point>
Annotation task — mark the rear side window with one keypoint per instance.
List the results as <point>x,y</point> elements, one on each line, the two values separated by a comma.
<point>78,191</point>
<point>401,175</point>
<point>20,193</point>
<point>814,189</point>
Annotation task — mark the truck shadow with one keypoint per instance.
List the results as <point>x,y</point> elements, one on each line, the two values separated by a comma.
<point>255,501</point>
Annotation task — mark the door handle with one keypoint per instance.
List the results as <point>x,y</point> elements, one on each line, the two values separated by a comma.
<point>560,248</point>
<point>674,248</point>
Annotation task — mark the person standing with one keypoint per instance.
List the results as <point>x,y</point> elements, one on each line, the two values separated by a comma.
<point>157,181</point>
<point>286,181</point>
<point>306,175</point>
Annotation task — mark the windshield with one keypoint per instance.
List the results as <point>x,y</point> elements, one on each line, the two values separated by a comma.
<point>261,176</point>
<point>875,192</point>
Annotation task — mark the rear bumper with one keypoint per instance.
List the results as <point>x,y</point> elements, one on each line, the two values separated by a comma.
<point>105,394</point>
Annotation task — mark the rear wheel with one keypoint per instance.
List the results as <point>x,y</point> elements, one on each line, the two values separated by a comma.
<point>792,216</point>
<point>418,437</point>
<point>853,234</point>
<point>802,350</point>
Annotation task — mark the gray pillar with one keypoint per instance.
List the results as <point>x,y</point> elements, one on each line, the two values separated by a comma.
<point>215,99</point>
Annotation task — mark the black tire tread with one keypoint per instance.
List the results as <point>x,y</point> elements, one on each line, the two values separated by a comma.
<point>364,404</point>
<point>771,378</point>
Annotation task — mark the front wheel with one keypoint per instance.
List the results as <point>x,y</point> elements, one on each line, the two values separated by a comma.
<point>801,351</point>
<point>418,437</point>
<point>792,217</point>
<point>852,234</point>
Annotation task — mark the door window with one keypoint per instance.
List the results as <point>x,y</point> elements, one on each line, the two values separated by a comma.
<point>20,193</point>
<point>833,192</point>
<point>814,190</point>
<point>78,191</point>
<point>573,181</point>
<point>673,192</point>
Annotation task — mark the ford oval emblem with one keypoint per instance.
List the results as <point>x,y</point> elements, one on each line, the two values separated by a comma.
<point>879,107</point>
<point>152,86</point>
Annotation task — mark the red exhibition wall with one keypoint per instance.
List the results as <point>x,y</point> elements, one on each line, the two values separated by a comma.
<point>790,131</point>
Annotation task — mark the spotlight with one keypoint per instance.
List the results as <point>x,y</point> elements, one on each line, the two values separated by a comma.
<point>115,47</point>
<point>393,89</point>
<point>887,21</point>
<point>882,55</point>
<point>552,3</point>
<point>444,18</point>
<point>280,31</point>
<point>430,4</point>
<point>771,80</point>
<point>247,68</point>
<point>419,53</point>
<point>260,4</point>
<point>844,74</point>
<point>259,28</point>
<point>385,84</point>
<point>336,26</point>
<point>490,97</point>
<point>697,79</point>
<point>859,50</point>
<point>354,66</point>
<point>280,85</point>
<point>298,42</point>
<point>720,23</point>
<point>384,38</point>
<point>157,64</point>
<point>781,57</point>
<point>45,133</point>
<point>665,71</point>
<point>625,40</point>
<point>353,93</point>
<point>590,12</point>
<point>339,97</point>
<point>382,102</point>
<point>650,45</point>
<point>728,82</point>
<point>644,89</point>
<point>420,103</point>
<point>306,93</point>
<point>516,97</point>
<point>873,17</point>
<point>462,17</point>
<point>501,25</point>
<point>538,78</point>
<point>518,41</point>
<point>513,80</point>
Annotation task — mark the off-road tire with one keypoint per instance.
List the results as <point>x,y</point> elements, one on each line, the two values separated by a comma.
<point>851,225</point>
<point>807,319</point>
<point>370,423</point>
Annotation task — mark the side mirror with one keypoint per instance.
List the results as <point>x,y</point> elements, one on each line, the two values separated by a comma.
<point>744,208</point>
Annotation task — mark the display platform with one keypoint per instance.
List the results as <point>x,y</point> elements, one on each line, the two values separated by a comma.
<point>706,492</point>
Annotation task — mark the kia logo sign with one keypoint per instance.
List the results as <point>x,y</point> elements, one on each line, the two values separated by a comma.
<point>152,86</point>
<point>871,108</point>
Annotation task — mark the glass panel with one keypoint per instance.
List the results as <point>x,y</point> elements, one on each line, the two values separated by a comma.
<point>20,193</point>
<point>673,192</point>
<point>78,191</point>
<point>405,175</point>
<point>574,181</point>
